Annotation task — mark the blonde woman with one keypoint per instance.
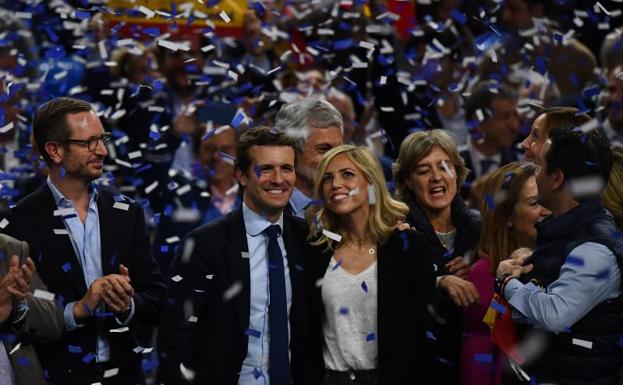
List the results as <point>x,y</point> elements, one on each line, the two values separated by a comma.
<point>375,280</point>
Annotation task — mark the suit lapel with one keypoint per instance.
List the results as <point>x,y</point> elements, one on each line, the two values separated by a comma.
<point>239,270</point>
<point>57,244</point>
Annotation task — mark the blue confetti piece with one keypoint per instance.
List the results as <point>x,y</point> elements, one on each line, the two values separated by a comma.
<point>573,260</point>
<point>238,118</point>
<point>605,274</point>
<point>154,31</point>
<point>298,267</point>
<point>337,264</point>
<point>405,240</point>
<point>256,170</point>
<point>257,373</point>
<point>67,267</point>
<point>23,361</point>
<point>82,14</point>
<point>88,358</point>
<point>7,176</point>
<point>157,85</point>
<point>74,349</point>
<point>364,286</point>
<point>430,335</point>
<point>566,329</point>
<point>51,34</point>
<point>484,358</point>
<point>540,65</point>
<point>164,249</point>
<point>342,44</point>
<point>490,201</point>
<point>343,310</point>
<point>370,337</point>
<point>253,333</point>
<point>498,307</point>
<point>259,8</point>
<point>149,365</point>
<point>458,16</point>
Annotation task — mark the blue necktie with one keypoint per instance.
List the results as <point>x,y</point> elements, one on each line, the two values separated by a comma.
<point>279,366</point>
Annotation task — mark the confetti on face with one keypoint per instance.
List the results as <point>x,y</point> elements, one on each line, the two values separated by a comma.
<point>445,166</point>
<point>353,192</point>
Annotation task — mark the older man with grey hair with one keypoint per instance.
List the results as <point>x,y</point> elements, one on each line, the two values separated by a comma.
<point>317,127</point>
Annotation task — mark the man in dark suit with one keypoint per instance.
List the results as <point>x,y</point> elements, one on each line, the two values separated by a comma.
<point>236,306</point>
<point>24,318</point>
<point>91,248</point>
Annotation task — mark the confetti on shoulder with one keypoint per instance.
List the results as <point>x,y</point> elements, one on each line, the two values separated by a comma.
<point>332,235</point>
<point>44,294</point>
<point>121,206</point>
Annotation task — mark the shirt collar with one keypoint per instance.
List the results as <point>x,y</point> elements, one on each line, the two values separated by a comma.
<point>255,223</point>
<point>299,201</point>
<point>59,198</point>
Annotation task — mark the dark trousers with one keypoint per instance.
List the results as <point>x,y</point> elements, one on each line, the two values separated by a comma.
<point>351,377</point>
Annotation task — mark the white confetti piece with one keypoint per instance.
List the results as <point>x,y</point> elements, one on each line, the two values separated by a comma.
<point>209,276</point>
<point>331,235</point>
<point>16,348</point>
<point>353,192</point>
<point>6,128</point>
<point>172,239</point>
<point>586,186</point>
<point>135,154</point>
<point>111,372</point>
<point>189,245</point>
<point>61,232</point>
<point>121,206</point>
<point>183,190</point>
<point>120,330</point>
<point>146,11</point>
<point>177,278</point>
<point>193,319</point>
<point>582,343</point>
<point>445,166</point>
<point>4,223</point>
<point>371,195</point>
<point>44,294</point>
<point>383,80</point>
<point>151,187</point>
<point>244,254</point>
<point>232,291</point>
<point>188,374</point>
<point>387,109</point>
<point>168,45</point>
<point>223,15</point>
<point>480,115</point>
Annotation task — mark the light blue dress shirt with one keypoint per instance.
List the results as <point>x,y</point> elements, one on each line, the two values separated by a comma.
<point>254,369</point>
<point>299,202</point>
<point>591,277</point>
<point>86,241</point>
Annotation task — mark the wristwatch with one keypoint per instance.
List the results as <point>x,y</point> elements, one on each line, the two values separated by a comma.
<point>500,283</point>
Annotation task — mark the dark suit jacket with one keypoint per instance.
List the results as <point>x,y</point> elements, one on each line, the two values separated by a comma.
<point>124,240</point>
<point>210,263</point>
<point>43,321</point>
<point>508,155</point>
<point>406,285</point>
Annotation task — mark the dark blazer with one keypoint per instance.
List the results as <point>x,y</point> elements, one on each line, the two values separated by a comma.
<point>212,268</point>
<point>448,333</point>
<point>508,155</point>
<point>124,240</point>
<point>42,323</point>
<point>406,285</point>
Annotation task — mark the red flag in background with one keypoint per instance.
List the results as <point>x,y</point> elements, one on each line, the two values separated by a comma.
<point>499,317</point>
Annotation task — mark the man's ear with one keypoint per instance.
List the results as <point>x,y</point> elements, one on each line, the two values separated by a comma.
<point>242,177</point>
<point>54,151</point>
<point>558,180</point>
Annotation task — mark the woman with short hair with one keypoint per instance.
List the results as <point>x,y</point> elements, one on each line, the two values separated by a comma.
<point>428,174</point>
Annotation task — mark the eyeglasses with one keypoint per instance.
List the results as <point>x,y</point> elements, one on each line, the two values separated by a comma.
<point>91,143</point>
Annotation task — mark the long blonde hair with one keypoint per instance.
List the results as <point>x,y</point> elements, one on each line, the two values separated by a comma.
<point>500,195</point>
<point>384,213</point>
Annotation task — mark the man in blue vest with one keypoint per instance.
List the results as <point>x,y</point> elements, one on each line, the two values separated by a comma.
<point>568,302</point>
